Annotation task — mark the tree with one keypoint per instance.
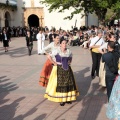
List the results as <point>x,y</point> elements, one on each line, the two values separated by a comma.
<point>100,7</point>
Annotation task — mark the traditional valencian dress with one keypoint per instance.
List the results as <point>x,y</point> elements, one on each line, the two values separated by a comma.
<point>47,68</point>
<point>61,86</point>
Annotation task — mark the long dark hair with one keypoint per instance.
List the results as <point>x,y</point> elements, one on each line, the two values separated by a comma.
<point>62,39</point>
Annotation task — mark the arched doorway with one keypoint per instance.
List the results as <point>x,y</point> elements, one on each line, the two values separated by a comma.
<point>7,19</point>
<point>33,21</point>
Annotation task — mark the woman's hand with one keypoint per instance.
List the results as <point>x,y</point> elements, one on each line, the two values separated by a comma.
<point>69,62</point>
<point>54,63</point>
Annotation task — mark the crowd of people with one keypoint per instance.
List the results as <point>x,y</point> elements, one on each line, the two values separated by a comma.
<point>57,76</point>
<point>104,45</point>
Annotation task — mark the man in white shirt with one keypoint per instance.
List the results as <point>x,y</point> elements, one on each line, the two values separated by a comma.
<point>95,44</point>
<point>40,41</point>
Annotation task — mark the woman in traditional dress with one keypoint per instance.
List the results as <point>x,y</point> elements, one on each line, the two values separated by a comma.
<point>61,86</point>
<point>46,70</point>
<point>113,108</point>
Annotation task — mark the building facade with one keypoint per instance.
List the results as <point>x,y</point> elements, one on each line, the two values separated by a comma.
<point>33,13</point>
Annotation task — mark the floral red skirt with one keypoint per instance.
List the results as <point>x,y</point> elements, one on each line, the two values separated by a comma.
<point>45,73</point>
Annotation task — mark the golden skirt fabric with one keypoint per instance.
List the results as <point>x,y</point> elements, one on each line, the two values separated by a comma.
<point>54,96</point>
<point>102,73</point>
<point>45,73</point>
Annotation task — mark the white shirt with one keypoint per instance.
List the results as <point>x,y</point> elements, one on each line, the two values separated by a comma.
<point>95,39</point>
<point>104,46</point>
<point>51,47</point>
<point>40,36</point>
<point>5,36</point>
<point>68,53</point>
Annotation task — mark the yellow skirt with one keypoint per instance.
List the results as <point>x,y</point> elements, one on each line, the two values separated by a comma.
<point>54,96</point>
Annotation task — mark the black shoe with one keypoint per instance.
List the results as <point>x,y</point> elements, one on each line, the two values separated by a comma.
<point>39,53</point>
<point>93,77</point>
<point>62,104</point>
<point>30,53</point>
<point>97,75</point>
<point>69,102</point>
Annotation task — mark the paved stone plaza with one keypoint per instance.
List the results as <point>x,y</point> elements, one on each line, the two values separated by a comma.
<point>21,97</point>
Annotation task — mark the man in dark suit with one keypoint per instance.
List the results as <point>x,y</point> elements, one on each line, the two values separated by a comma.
<point>51,36</point>
<point>111,59</point>
<point>5,40</point>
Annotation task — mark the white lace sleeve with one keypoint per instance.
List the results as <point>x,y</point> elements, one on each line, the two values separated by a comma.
<point>53,53</point>
<point>47,48</point>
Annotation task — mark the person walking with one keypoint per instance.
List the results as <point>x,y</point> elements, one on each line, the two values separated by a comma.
<point>61,86</point>
<point>29,42</point>
<point>5,39</point>
<point>96,42</point>
<point>40,41</point>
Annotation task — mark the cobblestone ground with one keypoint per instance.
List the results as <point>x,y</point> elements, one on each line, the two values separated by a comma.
<point>21,97</point>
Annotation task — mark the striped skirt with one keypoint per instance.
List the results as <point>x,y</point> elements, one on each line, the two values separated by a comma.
<point>45,73</point>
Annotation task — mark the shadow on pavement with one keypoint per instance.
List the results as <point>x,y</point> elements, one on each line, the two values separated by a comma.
<point>6,105</point>
<point>90,99</point>
<point>30,112</point>
<point>91,96</point>
<point>41,117</point>
<point>83,84</point>
<point>18,52</point>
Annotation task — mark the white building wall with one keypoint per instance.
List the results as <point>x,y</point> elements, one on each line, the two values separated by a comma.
<point>56,19</point>
<point>53,19</point>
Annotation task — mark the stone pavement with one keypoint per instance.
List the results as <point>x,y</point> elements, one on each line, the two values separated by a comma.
<point>21,97</point>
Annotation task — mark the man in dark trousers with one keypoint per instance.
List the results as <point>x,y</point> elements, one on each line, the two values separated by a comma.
<point>111,59</point>
<point>51,36</point>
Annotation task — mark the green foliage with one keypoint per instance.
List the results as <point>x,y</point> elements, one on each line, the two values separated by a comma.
<point>10,7</point>
<point>100,7</point>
